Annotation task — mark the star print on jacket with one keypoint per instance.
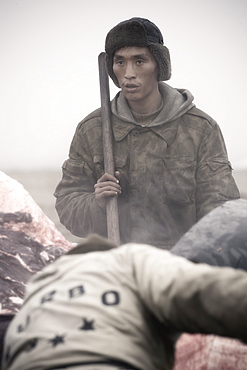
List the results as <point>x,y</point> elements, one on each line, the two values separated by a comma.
<point>31,344</point>
<point>7,355</point>
<point>22,327</point>
<point>87,325</point>
<point>58,339</point>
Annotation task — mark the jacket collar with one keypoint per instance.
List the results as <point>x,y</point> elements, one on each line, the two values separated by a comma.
<point>176,103</point>
<point>166,131</point>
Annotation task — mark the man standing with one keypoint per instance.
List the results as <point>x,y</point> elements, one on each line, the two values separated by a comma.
<point>170,157</point>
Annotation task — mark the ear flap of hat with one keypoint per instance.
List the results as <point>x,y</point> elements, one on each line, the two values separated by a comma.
<point>162,55</point>
<point>109,66</point>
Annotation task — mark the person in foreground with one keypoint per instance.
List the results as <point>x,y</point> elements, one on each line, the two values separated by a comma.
<point>102,307</point>
<point>171,161</point>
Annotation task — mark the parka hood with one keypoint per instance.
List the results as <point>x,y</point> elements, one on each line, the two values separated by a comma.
<point>176,102</point>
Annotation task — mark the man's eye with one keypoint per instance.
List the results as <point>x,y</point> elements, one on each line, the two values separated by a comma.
<point>139,61</point>
<point>119,62</point>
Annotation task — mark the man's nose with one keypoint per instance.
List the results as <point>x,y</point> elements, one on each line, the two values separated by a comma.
<point>129,71</point>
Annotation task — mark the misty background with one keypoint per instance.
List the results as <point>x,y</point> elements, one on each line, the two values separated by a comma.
<point>50,82</point>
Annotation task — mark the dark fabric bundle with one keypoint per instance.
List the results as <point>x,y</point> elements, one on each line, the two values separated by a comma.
<point>219,238</point>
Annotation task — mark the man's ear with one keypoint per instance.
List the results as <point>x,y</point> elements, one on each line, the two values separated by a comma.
<point>93,243</point>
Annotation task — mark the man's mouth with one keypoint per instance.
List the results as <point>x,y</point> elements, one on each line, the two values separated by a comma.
<point>130,87</point>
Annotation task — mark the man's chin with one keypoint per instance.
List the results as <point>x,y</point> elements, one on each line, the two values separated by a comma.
<point>131,96</point>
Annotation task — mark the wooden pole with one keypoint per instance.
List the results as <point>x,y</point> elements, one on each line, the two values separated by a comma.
<point>111,204</point>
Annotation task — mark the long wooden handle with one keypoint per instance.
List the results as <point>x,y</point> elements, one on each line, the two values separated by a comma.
<point>111,204</point>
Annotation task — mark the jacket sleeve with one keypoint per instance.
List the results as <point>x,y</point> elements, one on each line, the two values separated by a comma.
<point>194,298</point>
<point>214,181</point>
<point>75,200</point>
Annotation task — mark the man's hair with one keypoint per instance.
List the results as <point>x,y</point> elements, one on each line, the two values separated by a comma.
<point>94,243</point>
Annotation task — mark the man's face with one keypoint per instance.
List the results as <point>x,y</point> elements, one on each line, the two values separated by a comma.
<point>137,72</point>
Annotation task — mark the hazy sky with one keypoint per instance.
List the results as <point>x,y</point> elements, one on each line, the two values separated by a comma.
<point>49,69</point>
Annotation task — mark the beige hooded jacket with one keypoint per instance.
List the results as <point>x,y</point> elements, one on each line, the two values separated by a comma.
<point>127,305</point>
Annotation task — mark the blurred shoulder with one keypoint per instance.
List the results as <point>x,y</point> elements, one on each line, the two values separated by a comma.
<point>91,120</point>
<point>197,119</point>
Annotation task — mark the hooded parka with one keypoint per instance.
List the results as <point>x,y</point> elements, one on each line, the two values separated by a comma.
<point>174,170</point>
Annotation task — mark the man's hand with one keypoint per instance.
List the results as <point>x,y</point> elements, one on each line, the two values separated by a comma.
<point>107,186</point>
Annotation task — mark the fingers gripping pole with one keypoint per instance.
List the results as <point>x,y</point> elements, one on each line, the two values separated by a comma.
<point>111,204</point>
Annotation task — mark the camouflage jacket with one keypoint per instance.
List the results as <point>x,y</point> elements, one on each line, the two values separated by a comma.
<point>173,172</point>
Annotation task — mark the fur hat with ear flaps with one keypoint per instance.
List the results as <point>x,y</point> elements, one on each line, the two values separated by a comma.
<point>138,32</point>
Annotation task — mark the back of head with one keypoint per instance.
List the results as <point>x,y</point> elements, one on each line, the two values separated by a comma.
<point>138,32</point>
<point>93,243</point>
